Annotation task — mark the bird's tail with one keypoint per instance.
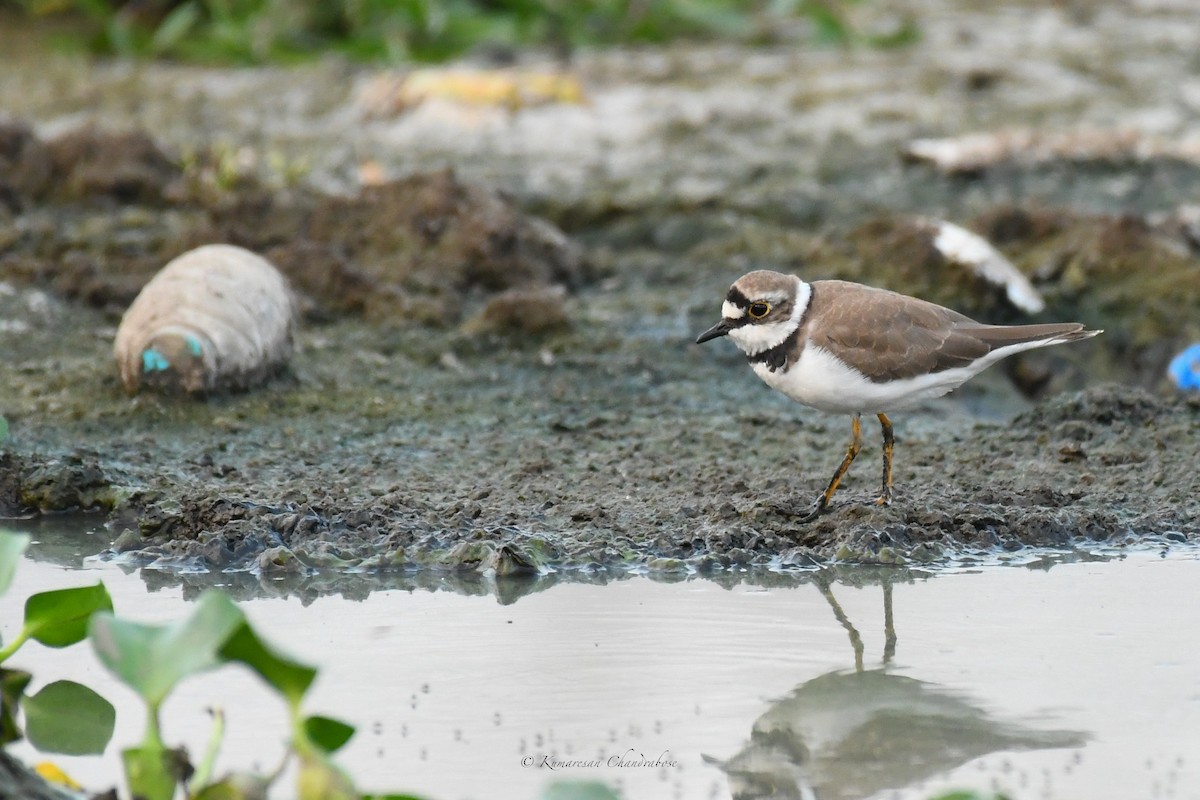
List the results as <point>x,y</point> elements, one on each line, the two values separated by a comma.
<point>998,336</point>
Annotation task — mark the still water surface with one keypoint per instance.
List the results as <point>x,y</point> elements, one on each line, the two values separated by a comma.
<point>1076,680</point>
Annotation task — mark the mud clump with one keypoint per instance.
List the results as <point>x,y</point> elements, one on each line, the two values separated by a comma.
<point>25,166</point>
<point>127,166</point>
<point>424,249</point>
<point>332,283</point>
<point>10,485</point>
<point>84,164</point>
<point>522,311</point>
<point>1102,406</point>
<point>434,235</point>
<point>69,483</point>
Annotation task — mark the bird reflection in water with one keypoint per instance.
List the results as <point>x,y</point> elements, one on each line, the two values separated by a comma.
<point>853,734</point>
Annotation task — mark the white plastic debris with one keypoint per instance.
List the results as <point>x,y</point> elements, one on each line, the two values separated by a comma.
<point>960,246</point>
<point>215,318</point>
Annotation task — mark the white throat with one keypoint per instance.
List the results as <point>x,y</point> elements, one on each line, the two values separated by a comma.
<point>755,339</point>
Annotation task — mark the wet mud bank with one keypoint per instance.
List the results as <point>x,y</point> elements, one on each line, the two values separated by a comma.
<point>584,465</point>
<point>494,370</point>
<point>476,393</point>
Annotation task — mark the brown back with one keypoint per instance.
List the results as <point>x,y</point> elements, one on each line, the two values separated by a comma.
<point>890,336</point>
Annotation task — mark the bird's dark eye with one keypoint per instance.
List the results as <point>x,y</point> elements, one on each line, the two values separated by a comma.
<point>759,309</point>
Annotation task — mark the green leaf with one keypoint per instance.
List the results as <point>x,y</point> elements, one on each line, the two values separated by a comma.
<point>12,547</point>
<point>326,733</point>
<point>579,790</point>
<point>290,678</point>
<point>151,659</point>
<point>69,718</point>
<point>153,772</point>
<point>60,618</point>
<point>12,688</point>
<point>829,25</point>
<point>175,26</point>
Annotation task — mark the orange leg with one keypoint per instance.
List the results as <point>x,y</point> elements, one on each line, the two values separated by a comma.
<point>851,451</point>
<point>885,498</point>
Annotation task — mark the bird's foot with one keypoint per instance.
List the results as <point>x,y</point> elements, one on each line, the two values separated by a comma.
<point>819,507</point>
<point>817,510</point>
<point>884,499</point>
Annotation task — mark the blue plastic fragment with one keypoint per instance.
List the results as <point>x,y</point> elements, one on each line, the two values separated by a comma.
<point>1185,368</point>
<point>154,361</point>
<point>194,346</point>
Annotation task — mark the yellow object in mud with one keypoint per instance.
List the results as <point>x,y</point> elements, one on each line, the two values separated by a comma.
<point>512,89</point>
<point>50,772</point>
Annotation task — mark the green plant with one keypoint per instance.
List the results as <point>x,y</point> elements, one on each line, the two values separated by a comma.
<point>152,659</point>
<point>56,619</point>
<point>257,31</point>
<point>65,717</point>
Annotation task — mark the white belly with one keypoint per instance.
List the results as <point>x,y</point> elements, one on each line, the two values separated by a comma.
<point>820,380</point>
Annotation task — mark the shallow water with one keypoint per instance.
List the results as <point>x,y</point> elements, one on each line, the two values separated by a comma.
<point>1070,680</point>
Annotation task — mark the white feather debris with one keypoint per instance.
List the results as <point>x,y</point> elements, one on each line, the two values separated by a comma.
<point>977,151</point>
<point>960,246</point>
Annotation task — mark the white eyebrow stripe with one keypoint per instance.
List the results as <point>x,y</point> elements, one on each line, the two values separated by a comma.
<point>731,311</point>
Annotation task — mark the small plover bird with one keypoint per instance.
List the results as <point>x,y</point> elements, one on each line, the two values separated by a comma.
<point>846,348</point>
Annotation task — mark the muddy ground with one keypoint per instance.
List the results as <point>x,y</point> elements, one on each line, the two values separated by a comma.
<point>451,408</point>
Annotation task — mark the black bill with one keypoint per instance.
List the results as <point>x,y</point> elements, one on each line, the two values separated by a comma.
<point>720,329</point>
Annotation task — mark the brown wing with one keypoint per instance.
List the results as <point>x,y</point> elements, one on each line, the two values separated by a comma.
<point>889,336</point>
